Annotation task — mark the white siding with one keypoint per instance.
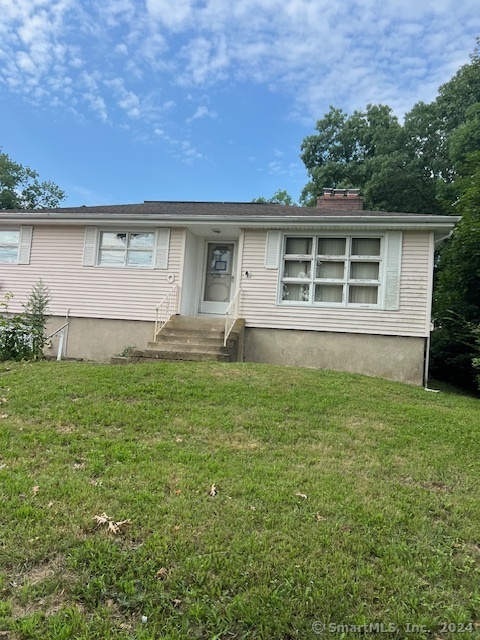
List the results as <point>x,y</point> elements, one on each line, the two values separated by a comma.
<point>98,292</point>
<point>259,307</point>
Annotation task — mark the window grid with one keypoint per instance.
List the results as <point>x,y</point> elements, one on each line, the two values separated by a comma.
<point>9,246</point>
<point>126,249</point>
<point>332,271</point>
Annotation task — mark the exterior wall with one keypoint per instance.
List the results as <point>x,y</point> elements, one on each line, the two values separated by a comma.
<point>192,266</point>
<point>96,292</point>
<point>392,357</point>
<point>259,295</point>
<point>98,339</point>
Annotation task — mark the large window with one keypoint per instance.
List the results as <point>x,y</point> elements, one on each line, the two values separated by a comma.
<point>338,271</point>
<point>126,249</point>
<point>9,245</point>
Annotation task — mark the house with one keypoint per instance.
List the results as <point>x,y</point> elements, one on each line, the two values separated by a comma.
<point>330,287</point>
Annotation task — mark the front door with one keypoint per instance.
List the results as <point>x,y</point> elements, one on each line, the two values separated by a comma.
<point>218,277</point>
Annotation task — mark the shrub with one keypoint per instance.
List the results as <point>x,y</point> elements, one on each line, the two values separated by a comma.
<point>22,335</point>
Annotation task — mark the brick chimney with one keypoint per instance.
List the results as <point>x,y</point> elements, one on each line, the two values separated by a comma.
<point>340,199</point>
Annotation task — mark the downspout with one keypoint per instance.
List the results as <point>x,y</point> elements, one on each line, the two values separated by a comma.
<point>427,362</point>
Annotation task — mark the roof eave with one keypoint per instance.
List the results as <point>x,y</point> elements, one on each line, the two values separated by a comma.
<point>283,221</point>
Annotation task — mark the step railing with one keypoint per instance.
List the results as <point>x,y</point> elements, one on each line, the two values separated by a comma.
<point>61,341</point>
<point>231,315</point>
<point>166,308</point>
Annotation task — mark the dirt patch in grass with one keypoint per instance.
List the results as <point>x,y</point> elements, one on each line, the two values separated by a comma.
<point>41,588</point>
<point>357,423</point>
<point>436,487</point>
<point>65,428</point>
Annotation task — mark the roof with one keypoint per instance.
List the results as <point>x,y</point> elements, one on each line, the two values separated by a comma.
<point>202,209</point>
<point>205,218</point>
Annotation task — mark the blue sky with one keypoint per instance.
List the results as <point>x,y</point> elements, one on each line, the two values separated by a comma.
<point>122,101</point>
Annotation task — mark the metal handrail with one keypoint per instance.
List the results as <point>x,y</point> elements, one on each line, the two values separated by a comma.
<point>57,331</point>
<point>231,315</point>
<point>166,308</point>
<point>61,330</point>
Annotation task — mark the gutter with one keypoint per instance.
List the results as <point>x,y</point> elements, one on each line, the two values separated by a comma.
<point>400,222</point>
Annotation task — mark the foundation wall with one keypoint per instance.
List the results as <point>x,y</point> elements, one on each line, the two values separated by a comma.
<point>98,339</point>
<point>395,358</point>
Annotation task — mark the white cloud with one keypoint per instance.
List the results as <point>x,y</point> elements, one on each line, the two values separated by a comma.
<point>126,100</point>
<point>189,153</point>
<point>202,112</point>
<point>127,59</point>
<point>207,61</point>
<point>174,14</point>
<point>97,104</point>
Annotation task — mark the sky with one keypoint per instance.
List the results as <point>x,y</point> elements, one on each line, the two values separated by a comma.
<point>121,101</point>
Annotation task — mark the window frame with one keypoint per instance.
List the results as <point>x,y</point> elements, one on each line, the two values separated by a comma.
<point>346,282</point>
<point>17,230</point>
<point>127,249</point>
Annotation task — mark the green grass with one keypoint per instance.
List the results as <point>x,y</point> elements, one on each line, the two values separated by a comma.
<point>388,531</point>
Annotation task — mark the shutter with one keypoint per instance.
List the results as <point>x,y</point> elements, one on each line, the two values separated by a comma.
<point>90,246</point>
<point>392,272</point>
<point>272,249</point>
<point>163,245</point>
<point>25,245</point>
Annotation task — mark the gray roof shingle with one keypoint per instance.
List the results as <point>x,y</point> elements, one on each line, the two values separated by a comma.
<point>211,209</point>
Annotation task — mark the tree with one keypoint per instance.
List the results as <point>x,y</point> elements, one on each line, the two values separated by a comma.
<point>281,196</point>
<point>457,292</point>
<point>21,189</point>
<point>372,151</point>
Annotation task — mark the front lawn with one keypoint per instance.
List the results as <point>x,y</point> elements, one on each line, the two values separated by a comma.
<point>260,502</point>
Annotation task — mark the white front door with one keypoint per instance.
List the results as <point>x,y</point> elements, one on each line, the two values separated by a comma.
<point>217,285</point>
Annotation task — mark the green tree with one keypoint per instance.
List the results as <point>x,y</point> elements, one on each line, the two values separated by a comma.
<point>21,189</point>
<point>281,196</point>
<point>455,343</point>
<point>372,151</point>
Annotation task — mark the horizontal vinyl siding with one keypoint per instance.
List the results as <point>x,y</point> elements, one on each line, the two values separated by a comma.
<point>259,306</point>
<point>88,292</point>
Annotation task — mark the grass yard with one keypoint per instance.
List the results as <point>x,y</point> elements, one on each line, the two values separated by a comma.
<point>261,503</point>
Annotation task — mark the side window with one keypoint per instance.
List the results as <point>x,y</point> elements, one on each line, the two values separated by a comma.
<point>15,245</point>
<point>9,246</point>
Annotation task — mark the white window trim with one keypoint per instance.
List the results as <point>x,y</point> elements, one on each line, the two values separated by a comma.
<point>159,251</point>
<point>310,281</point>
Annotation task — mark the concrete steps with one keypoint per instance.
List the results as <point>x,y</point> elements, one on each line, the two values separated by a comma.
<point>191,338</point>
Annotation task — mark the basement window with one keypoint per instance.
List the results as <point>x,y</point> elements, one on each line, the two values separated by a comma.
<point>343,271</point>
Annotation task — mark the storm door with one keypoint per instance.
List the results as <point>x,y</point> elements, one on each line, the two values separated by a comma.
<point>218,277</point>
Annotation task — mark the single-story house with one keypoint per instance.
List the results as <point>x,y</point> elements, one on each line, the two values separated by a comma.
<point>330,287</point>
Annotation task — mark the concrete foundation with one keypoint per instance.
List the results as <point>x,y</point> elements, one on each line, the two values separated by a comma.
<point>392,357</point>
<point>98,339</point>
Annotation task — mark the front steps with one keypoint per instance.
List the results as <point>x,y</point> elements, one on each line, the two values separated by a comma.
<point>191,338</point>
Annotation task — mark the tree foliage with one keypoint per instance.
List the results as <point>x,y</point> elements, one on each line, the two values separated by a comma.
<point>455,342</point>
<point>394,165</point>
<point>20,187</point>
<point>281,196</point>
